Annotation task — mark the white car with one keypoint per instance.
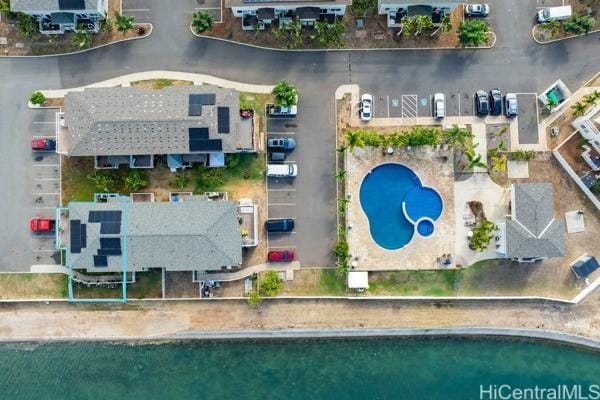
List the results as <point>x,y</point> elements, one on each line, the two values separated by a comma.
<point>477,10</point>
<point>511,108</point>
<point>439,105</point>
<point>366,107</point>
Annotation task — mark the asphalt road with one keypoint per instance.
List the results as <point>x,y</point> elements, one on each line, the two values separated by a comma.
<point>515,64</point>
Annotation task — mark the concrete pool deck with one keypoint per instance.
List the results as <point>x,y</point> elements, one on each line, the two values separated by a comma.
<point>421,253</point>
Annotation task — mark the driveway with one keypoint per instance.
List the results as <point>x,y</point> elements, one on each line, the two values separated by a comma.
<point>515,64</point>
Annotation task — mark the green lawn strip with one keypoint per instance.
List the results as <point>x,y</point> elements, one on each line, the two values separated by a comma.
<point>147,285</point>
<point>246,166</point>
<point>33,286</point>
<point>412,283</point>
<point>332,282</point>
<point>159,84</point>
<point>75,183</point>
<point>255,101</point>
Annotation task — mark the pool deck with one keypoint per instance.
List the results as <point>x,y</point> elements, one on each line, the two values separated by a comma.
<point>420,253</point>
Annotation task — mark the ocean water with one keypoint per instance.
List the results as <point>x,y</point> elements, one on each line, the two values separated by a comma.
<point>362,369</point>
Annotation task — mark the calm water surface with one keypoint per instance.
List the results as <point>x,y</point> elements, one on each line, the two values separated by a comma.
<point>346,369</point>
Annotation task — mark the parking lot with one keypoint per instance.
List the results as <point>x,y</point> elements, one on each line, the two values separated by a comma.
<point>281,192</point>
<point>44,185</point>
<point>140,9</point>
<point>398,105</point>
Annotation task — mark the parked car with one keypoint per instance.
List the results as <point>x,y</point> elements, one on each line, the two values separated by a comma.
<point>287,144</point>
<point>246,113</point>
<point>511,108</point>
<point>281,112</point>
<point>281,256</point>
<point>39,225</point>
<point>554,14</point>
<point>366,107</point>
<point>439,106</point>
<point>477,10</point>
<point>482,107</point>
<point>43,144</point>
<point>277,156</point>
<point>495,102</point>
<point>279,225</point>
<point>282,170</point>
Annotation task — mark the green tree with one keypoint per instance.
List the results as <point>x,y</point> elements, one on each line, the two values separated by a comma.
<point>208,179</point>
<point>104,181</point>
<point>270,284</point>
<point>37,98</point>
<point>473,32</point>
<point>552,27</point>
<point>202,21</point>
<point>361,7</point>
<point>474,159</point>
<point>354,139</point>
<point>342,149</point>
<point>495,151</point>
<point>457,136</point>
<point>82,38</point>
<point>286,94</point>
<point>181,181</point>
<point>123,23</point>
<point>4,6</point>
<point>341,175</point>
<point>254,299</point>
<point>330,34</point>
<point>482,236</point>
<point>578,109</point>
<point>343,266</point>
<point>595,188</point>
<point>26,25</point>
<point>523,155</point>
<point>551,103</point>
<point>135,180</point>
<point>446,24</point>
<point>290,33</point>
<point>499,163</point>
<point>579,24</point>
<point>414,26</point>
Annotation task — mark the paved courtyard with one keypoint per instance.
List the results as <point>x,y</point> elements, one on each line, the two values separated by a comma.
<point>421,253</point>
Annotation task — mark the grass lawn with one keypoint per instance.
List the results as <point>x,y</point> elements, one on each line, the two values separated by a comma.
<point>315,282</point>
<point>413,283</point>
<point>160,83</point>
<point>255,101</point>
<point>147,285</point>
<point>75,184</point>
<point>33,286</point>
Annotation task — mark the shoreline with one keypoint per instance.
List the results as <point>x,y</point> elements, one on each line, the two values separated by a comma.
<point>471,333</point>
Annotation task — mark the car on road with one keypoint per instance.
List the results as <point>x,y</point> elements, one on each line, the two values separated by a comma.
<point>281,256</point>
<point>495,102</point>
<point>43,144</point>
<point>279,225</point>
<point>282,170</point>
<point>477,10</point>
<point>482,107</point>
<point>277,156</point>
<point>366,107</point>
<point>40,225</point>
<point>439,106</point>
<point>511,108</point>
<point>554,14</point>
<point>287,144</point>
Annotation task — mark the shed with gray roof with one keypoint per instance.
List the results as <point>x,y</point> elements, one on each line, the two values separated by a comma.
<point>191,235</point>
<point>533,233</point>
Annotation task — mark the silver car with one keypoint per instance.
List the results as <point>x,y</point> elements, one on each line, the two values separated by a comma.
<point>477,10</point>
<point>511,108</point>
<point>366,107</point>
<point>439,106</point>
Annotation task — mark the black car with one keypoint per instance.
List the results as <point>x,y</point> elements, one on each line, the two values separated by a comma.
<point>277,156</point>
<point>495,102</point>
<point>279,225</point>
<point>482,106</point>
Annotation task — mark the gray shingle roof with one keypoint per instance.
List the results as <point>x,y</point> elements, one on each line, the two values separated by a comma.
<point>47,5</point>
<point>405,3</point>
<point>533,232</point>
<point>195,234</point>
<point>129,120</point>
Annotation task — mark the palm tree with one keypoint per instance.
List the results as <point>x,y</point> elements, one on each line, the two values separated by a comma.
<point>474,159</point>
<point>202,21</point>
<point>457,136</point>
<point>578,109</point>
<point>342,148</point>
<point>340,175</point>
<point>181,181</point>
<point>135,180</point>
<point>499,163</point>
<point>595,95</point>
<point>123,23</point>
<point>494,151</point>
<point>354,139</point>
<point>446,23</point>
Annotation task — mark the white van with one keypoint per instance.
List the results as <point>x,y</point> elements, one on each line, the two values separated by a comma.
<point>282,170</point>
<point>554,14</point>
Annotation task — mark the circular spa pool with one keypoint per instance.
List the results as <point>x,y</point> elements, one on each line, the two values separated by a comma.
<point>396,203</point>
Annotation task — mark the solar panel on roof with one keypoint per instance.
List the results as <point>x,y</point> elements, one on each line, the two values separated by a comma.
<point>75,230</point>
<point>110,243</point>
<point>109,252</point>
<point>198,133</point>
<point>94,216</point>
<point>206,145</point>
<point>110,228</point>
<point>100,261</point>
<point>104,216</point>
<point>195,110</point>
<point>223,119</point>
<point>71,4</point>
<point>83,236</point>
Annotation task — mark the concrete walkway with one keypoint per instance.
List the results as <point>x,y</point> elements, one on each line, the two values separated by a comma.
<point>198,79</point>
<point>243,273</point>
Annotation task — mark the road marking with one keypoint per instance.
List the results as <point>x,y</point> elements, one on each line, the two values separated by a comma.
<point>388,106</point>
<point>44,208</point>
<point>44,136</point>
<point>46,179</point>
<point>458,103</point>
<point>44,122</point>
<point>45,250</point>
<point>282,204</point>
<point>282,233</point>
<point>281,133</point>
<point>46,165</point>
<point>409,105</point>
<point>46,193</point>
<point>281,190</point>
<point>136,9</point>
<point>207,8</point>
<point>282,247</point>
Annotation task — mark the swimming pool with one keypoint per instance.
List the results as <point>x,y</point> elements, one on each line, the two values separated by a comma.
<point>397,204</point>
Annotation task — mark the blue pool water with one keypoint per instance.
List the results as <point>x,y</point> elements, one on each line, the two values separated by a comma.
<point>384,192</point>
<point>425,227</point>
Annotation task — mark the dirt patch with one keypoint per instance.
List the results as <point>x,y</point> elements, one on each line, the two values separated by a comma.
<point>571,151</point>
<point>33,286</point>
<point>38,44</point>
<point>58,102</point>
<point>158,84</point>
<point>375,34</point>
<point>180,285</point>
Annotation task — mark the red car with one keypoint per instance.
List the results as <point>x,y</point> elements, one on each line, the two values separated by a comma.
<point>43,144</point>
<point>41,225</point>
<point>246,113</point>
<point>281,256</point>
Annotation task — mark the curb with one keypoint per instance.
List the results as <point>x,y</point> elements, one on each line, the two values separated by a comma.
<point>556,337</point>
<point>91,48</point>
<point>345,49</point>
<point>559,39</point>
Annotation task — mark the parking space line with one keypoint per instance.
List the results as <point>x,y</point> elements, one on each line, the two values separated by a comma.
<point>458,104</point>
<point>281,234</point>
<point>281,190</point>
<point>44,122</point>
<point>44,208</point>
<point>136,9</point>
<point>282,204</point>
<point>388,106</point>
<point>282,247</point>
<point>45,250</point>
<point>46,179</point>
<point>46,165</point>
<point>46,194</point>
<point>207,8</point>
<point>281,133</point>
<point>44,137</point>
